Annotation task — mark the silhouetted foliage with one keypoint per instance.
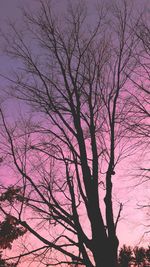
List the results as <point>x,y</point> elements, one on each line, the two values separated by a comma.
<point>125,256</point>
<point>4,263</point>
<point>10,231</point>
<point>9,227</point>
<point>11,194</point>
<point>139,255</point>
<point>136,256</point>
<point>148,254</point>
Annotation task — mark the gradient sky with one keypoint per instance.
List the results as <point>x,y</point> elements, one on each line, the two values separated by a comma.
<point>131,226</point>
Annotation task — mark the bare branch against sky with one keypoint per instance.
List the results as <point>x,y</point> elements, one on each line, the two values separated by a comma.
<point>77,79</point>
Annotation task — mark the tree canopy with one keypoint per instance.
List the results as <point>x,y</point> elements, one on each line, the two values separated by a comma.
<point>81,84</point>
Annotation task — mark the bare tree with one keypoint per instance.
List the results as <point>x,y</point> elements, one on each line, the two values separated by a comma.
<point>141,80</point>
<point>76,77</point>
<point>141,97</point>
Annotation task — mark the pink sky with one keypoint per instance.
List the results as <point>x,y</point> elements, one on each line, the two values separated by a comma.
<point>130,228</point>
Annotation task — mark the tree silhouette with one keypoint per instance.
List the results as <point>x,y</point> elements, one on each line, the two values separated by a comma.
<point>76,79</point>
<point>9,231</point>
<point>147,254</point>
<point>3,263</point>
<point>125,256</point>
<point>141,82</point>
<point>142,103</point>
<point>139,254</point>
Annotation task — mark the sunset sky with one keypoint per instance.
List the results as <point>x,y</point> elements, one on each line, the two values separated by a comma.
<point>133,219</point>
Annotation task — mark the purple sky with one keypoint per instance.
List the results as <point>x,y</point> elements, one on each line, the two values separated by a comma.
<point>130,227</point>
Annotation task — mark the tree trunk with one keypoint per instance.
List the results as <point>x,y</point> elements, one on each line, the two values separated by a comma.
<point>106,254</point>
